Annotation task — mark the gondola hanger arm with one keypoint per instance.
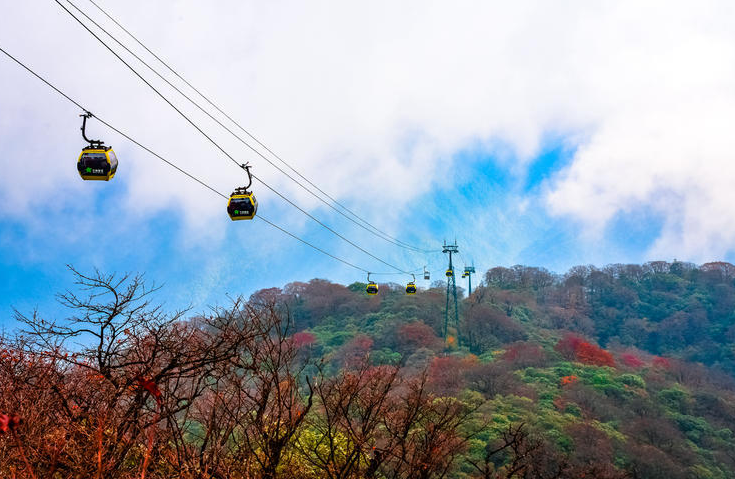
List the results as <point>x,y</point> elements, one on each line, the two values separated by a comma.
<point>246,167</point>
<point>92,143</point>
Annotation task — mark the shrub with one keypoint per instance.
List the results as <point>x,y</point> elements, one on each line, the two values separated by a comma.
<point>633,380</point>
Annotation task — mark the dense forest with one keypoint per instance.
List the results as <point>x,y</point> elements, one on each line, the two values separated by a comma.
<point>626,371</point>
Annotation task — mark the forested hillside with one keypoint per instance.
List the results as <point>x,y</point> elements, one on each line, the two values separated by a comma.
<point>622,371</point>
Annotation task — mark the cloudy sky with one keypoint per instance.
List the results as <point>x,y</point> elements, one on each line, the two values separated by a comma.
<point>540,133</point>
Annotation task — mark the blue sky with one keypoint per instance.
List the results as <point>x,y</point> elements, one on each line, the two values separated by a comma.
<point>201,275</point>
<point>533,135</point>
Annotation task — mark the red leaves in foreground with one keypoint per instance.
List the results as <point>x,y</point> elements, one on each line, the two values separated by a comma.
<point>9,422</point>
<point>577,349</point>
<point>150,386</point>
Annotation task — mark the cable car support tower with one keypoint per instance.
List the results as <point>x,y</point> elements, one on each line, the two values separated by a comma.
<point>468,272</point>
<point>451,289</point>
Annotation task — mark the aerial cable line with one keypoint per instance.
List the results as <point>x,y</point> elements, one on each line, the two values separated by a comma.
<point>236,136</point>
<point>107,124</point>
<point>328,228</point>
<point>203,110</point>
<point>381,234</point>
<point>181,170</point>
<point>216,144</point>
<point>191,122</point>
<point>462,258</point>
<point>247,132</point>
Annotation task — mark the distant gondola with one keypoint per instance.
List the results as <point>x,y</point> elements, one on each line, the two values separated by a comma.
<point>372,287</point>
<point>411,286</point>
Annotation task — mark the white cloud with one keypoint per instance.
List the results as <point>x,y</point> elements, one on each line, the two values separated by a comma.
<point>665,145</point>
<point>374,100</point>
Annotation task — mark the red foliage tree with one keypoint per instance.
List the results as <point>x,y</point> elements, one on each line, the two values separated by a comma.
<point>524,354</point>
<point>492,378</point>
<point>353,353</point>
<point>423,432</point>
<point>631,360</point>
<point>303,339</point>
<point>447,373</point>
<point>663,363</point>
<point>575,348</point>
<point>591,354</point>
<point>417,335</point>
<point>568,346</point>
<point>483,326</point>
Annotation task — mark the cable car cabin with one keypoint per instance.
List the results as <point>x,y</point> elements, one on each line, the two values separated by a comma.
<point>97,163</point>
<point>411,288</point>
<point>426,275</point>
<point>450,273</point>
<point>242,206</point>
<point>371,288</point>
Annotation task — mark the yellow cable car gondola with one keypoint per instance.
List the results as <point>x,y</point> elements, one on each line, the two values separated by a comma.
<point>449,273</point>
<point>372,287</point>
<point>242,204</point>
<point>96,161</point>
<point>411,286</point>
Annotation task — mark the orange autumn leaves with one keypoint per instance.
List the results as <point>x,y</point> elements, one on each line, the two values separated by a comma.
<point>569,380</point>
